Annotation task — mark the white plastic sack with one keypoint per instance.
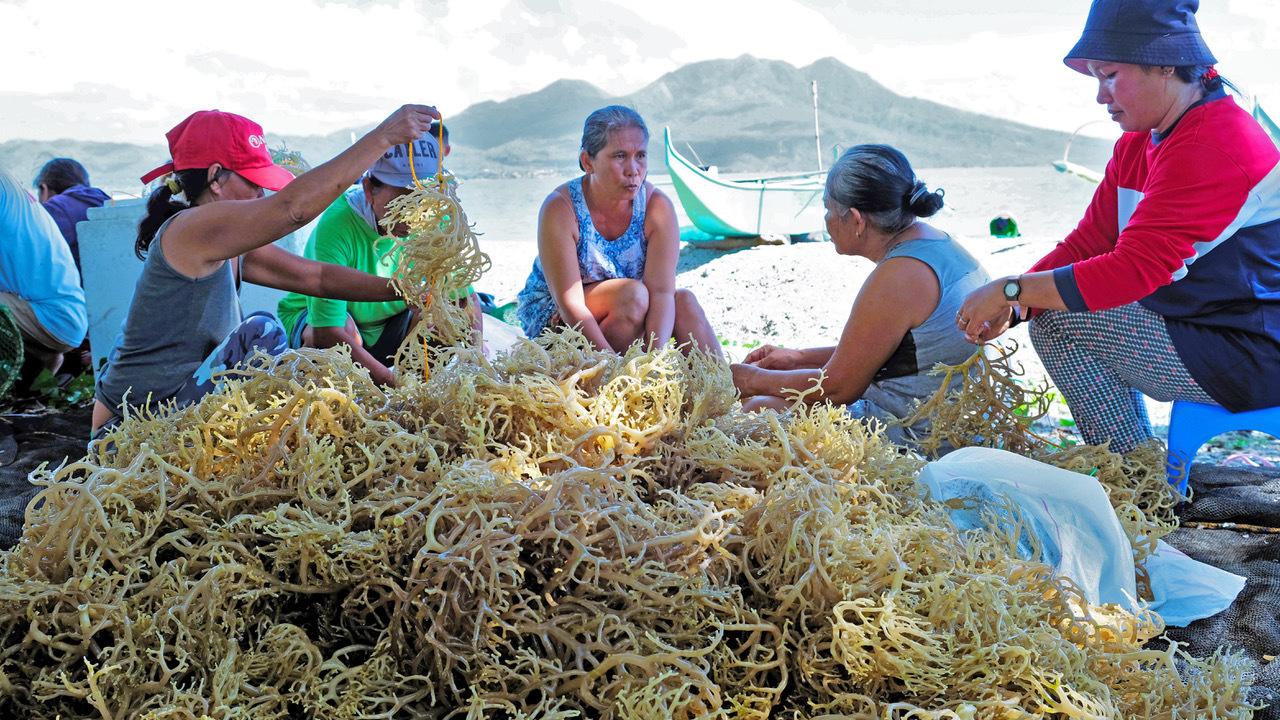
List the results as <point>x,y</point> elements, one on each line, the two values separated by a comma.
<point>1068,512</point>
<point>499,336</point>
<point>1184,589</point>
<point>1080,535</point>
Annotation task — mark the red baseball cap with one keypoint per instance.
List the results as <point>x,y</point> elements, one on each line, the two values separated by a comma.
<point>233,141</point>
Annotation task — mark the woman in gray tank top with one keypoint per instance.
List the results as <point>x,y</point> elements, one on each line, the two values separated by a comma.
<point>901,323</point>
<point>185,323</point>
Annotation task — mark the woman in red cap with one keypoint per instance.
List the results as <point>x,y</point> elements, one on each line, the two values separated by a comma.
<point>207,227</point>
<point>1170,284</point>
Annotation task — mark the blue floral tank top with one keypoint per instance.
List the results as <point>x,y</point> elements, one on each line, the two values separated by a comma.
<point>598,259</point>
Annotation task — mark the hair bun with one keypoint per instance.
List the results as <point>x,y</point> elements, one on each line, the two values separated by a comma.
<point>923,203</point>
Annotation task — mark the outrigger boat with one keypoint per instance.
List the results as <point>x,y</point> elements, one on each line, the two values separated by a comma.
<point>773,205</point>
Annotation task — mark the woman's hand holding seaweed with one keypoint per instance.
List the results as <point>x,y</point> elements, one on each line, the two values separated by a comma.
<point>985,314</point>
<point>772,357</point>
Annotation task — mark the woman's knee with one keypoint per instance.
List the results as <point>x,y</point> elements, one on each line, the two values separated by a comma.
<point>631,302</point>
<point>687,303</point>
<point>259,324</point>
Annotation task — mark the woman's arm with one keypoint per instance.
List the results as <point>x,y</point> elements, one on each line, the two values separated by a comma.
<point>558,251</point>
<point>662,251</point>
<point>1192,196</point>
<point>1096,232</point>
<point>278,268</point>
<point>816,357</point>
<point>899,294</point>
<point>986,314</point>
<point>199,240</point>
<point>326,337</point>
<point>772,357</point>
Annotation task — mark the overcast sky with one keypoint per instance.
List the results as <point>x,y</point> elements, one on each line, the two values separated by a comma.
<point>127,71</point>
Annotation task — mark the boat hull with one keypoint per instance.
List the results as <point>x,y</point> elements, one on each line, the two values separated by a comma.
<point>784,205</point>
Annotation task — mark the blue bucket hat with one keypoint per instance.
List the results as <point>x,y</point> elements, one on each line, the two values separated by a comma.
<point>1141,32</point>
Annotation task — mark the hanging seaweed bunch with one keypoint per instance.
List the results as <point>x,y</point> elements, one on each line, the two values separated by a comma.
<point>994,405</point>
<point>437,261</point>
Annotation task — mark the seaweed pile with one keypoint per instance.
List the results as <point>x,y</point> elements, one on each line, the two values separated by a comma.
<point>558,532</point>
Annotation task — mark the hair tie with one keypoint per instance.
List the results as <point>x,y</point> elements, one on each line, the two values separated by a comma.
<point>918,191</point>
<point>1210,74</point>
<point>176,193</point>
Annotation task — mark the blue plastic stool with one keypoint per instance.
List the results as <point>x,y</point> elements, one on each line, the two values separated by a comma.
<point>1192,424</point>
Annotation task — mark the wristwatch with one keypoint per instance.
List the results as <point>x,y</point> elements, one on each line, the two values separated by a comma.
<point>1012,289</point>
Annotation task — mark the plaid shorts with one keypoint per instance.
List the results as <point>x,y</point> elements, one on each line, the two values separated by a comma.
<point>1103,362</point>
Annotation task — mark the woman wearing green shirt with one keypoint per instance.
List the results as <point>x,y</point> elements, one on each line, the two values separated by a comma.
<point>350,232</point>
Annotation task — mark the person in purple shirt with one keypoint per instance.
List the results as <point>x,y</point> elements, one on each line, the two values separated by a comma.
<point>63,187</point>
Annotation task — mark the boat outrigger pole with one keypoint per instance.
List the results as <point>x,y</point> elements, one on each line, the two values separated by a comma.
<point>817,137</point>
<point>1066,166</point>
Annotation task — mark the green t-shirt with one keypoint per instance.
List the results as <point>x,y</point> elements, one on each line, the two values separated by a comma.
<point>342,237</point>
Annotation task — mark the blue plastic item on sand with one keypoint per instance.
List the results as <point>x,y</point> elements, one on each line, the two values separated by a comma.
<point>1192,424</point>
<point>1064,520</point>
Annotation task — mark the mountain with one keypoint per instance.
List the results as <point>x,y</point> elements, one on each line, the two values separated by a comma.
<point>756,115</point>
<point>751,115</point>
<point>743,114</point>
<point>548,113</point>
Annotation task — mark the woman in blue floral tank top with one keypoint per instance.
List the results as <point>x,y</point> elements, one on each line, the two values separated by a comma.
<point>607,248</point>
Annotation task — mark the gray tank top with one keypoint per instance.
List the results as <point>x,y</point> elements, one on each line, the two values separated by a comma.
<point>905,380</point>
<point>174,322</point>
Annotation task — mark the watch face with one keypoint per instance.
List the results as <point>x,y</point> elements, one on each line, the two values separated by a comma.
<point>1012,289</point>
